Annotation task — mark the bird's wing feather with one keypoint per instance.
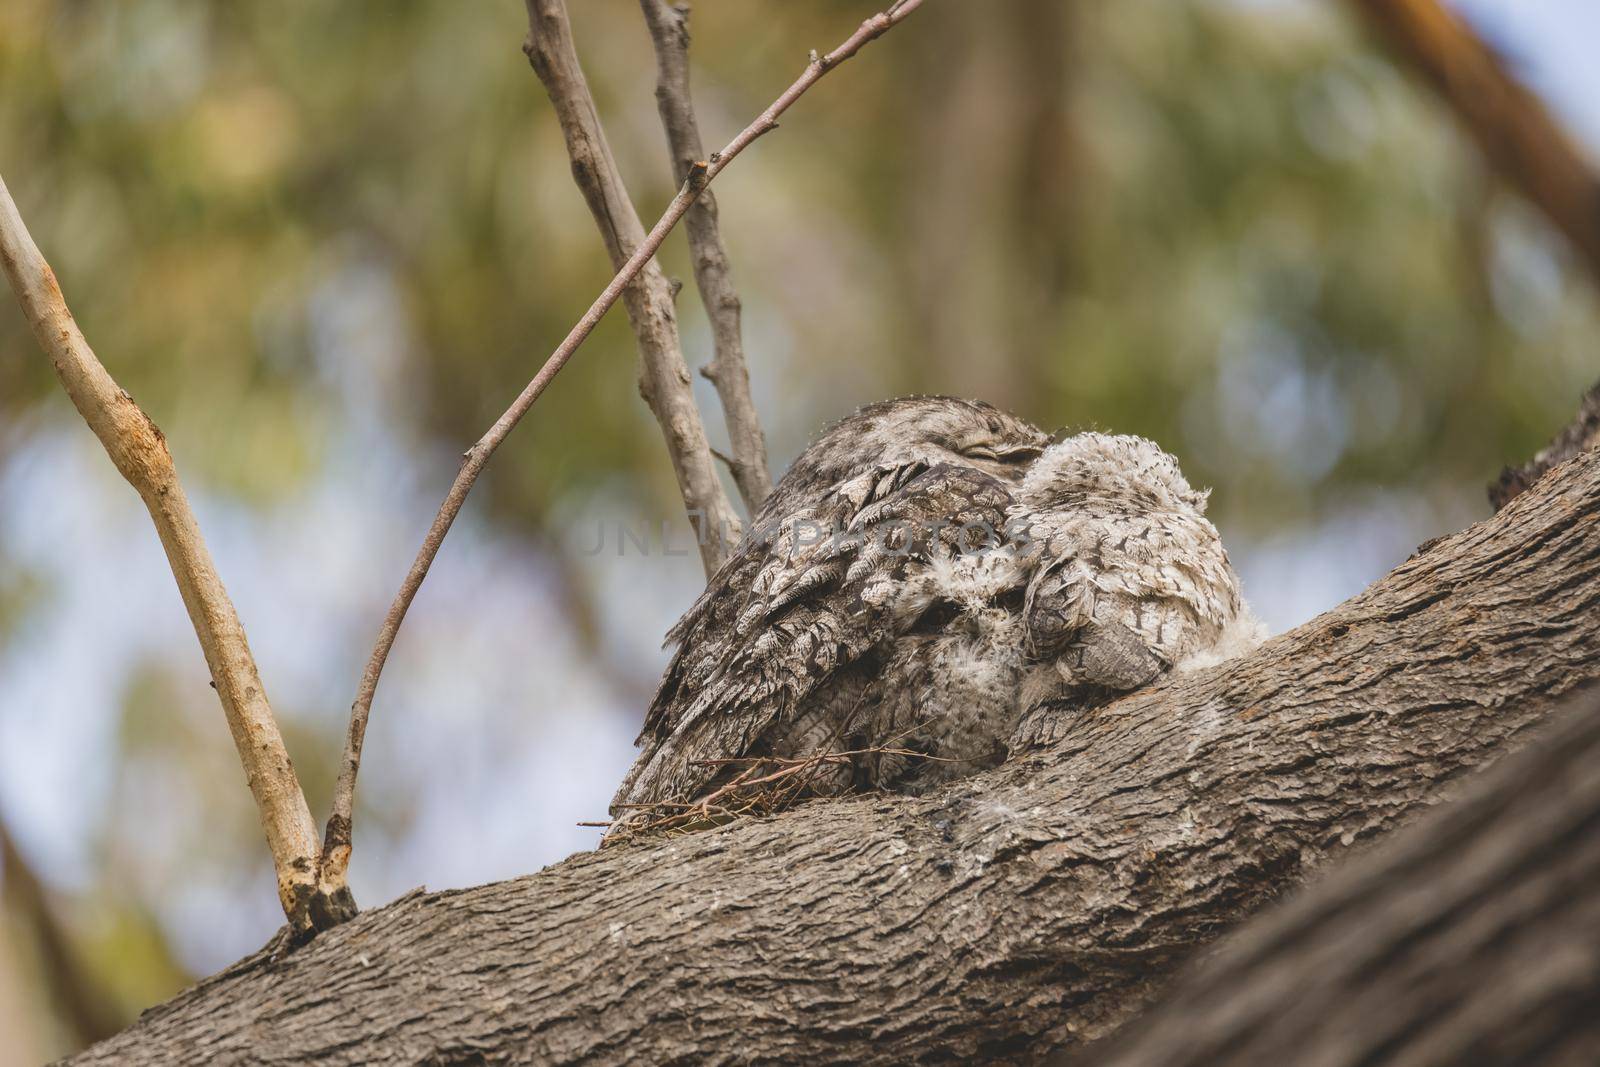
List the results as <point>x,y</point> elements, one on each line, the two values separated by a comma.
<point>793,607</point>
<point>1157,577</point>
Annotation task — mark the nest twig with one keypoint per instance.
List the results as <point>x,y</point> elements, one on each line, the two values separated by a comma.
<point>764,785</point>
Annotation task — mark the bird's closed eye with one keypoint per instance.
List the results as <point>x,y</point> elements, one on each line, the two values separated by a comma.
<point>1006,453</point>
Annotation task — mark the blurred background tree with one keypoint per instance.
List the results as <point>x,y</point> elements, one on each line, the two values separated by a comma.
<point>323,244</point>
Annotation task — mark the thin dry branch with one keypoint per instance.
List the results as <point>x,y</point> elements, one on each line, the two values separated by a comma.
<point>728,371</point>
<point>140,453</point>
<point>1516,133</point>
<point>336,848</point>
<point>650,299</point>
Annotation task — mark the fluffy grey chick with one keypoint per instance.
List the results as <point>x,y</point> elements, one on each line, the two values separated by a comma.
<point>1110,575</point>
<point>1125,576</point>
<point>780,654</point>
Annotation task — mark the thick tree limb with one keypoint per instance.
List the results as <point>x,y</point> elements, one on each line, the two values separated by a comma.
<point>650,300</point>
<point>139,451</point>
<point>1516,134</point>
<point>1015,913</point>
<point>1583,432</point>
<point>333,868</point>
<point>1472,937</point>
<point>669,33</point>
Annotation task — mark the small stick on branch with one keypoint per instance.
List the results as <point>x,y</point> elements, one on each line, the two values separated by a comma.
<point>728,371</point>
<point>650,299</point>
<point>140,453</point>
<point>336,847</point>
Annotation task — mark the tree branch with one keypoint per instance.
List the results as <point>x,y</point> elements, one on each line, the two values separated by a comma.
<point>728,371</point>
<point>1583,432</point>
<point>1469,938</point>
<point>1514,131</point>
<point>139,451</point>
<point>650,301</point>
<point>335,860</point>
<point>1028,909</point>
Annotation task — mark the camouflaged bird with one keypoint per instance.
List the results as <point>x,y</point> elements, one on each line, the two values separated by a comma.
<point>1109,576</point>
<point>783,655</point>
<point>957,612</point>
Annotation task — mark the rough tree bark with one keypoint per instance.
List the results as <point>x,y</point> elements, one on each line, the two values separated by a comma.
<point>1016,913</point>
<point>1471,937</point>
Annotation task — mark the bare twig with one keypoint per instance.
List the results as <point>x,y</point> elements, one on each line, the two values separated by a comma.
<point>669,31</point>
<point>764,785</point>
<point>336,848</point>
<point>835,757</point>
<point>140,453</point>
<point>1516,134</point>
<point>650,299</point>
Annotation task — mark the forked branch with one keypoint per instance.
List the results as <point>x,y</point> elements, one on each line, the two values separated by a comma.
<point>650,298</point>
<point>140,453</point>
<point>336,846</point>
<point>728,371</point>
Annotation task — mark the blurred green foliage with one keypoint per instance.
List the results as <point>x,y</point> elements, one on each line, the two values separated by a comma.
<point>1236,229</point>
<point>1137,215</point>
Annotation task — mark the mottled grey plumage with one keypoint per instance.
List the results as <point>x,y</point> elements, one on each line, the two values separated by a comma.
<point>909,632</point>
<point>1110,577</point>
<point>785,648</point>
